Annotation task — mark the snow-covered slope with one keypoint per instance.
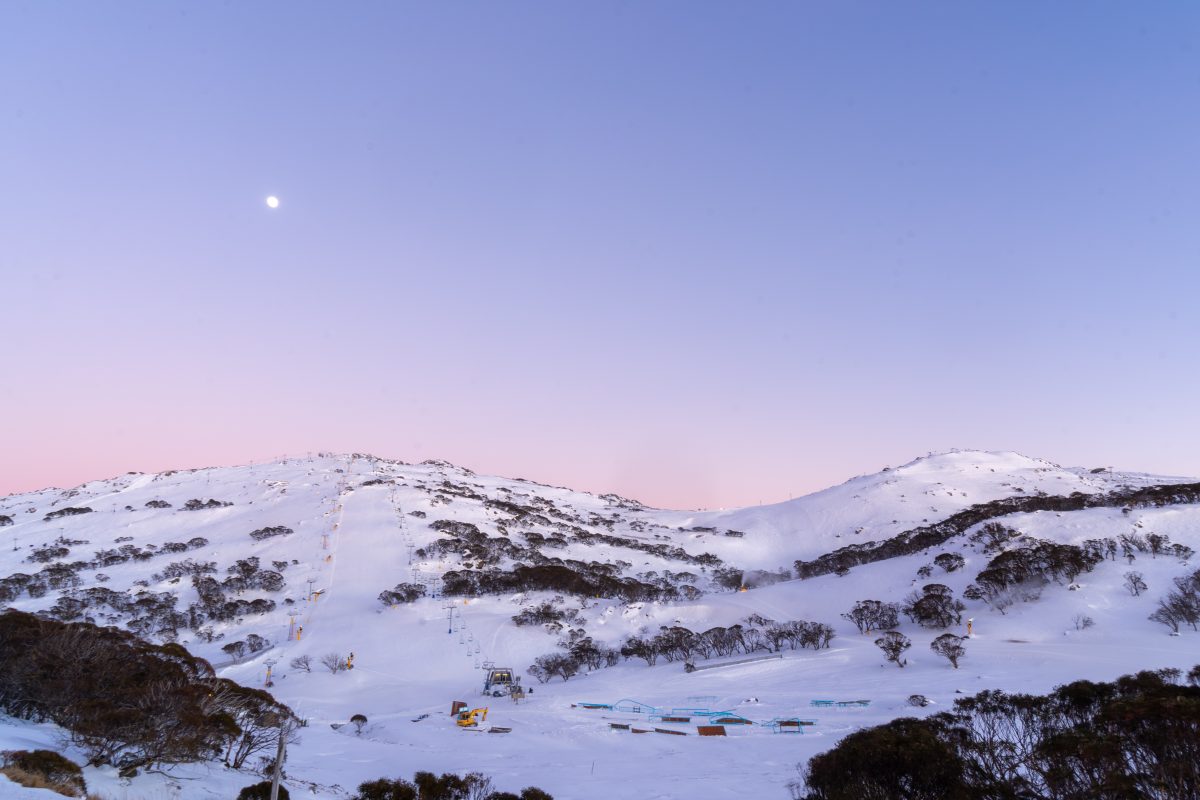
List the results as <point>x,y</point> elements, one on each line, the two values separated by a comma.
<point>338,530</point>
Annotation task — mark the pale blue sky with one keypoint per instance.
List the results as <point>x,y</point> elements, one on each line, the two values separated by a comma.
<point>703,254</point>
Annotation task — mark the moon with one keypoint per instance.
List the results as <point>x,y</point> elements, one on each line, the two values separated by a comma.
<point>272,202</point>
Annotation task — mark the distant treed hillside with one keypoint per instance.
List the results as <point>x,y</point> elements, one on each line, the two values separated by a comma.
<point>927,536</point>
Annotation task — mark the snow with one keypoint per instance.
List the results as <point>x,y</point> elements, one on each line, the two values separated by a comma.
<point>408,665</point>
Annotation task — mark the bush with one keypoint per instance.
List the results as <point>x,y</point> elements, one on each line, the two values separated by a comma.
<point>935,607</point>
<point>873,615</point>
<point>269,532</point>
<point>561,665</point>
<point>334,662</point>
<point>949,647</point>
<point>262,791</point>
<point>906,758</point>
<point>918,700</point>
<point>66,512</point>
<point>123,701</point>
<point>359,721</point>
<point>1132,738</point>
<point>199,505</point>
<point>386,789</point>
<point>234,650</point>
<point>1135,583</point>
<point>428,786</point>
<point>44,769</point>
<point>893,644</point>
<point>949,561</point>
<point>302,662</point>
<point>402,593</point>
<point>539,615</point>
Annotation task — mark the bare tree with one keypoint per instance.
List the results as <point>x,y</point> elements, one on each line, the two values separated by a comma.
<point>334,662</point>
<point>302,662</point>
<point>1134,583</point>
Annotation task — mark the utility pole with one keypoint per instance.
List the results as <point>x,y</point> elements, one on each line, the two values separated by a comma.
<point>279,752</point>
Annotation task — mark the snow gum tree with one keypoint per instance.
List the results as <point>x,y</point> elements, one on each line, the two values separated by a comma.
<point>949,647</point>
<point>893,644</point>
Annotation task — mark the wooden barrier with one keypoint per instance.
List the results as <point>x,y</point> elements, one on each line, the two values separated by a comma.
<point>671,732</point>
<point>457,706</point>
<point>710,730</point>
<point>618,726</point>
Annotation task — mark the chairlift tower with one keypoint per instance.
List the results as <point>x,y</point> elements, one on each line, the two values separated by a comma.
<point>292,624</point>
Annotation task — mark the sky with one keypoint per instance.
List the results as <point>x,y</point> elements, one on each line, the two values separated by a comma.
<point>701,254</point>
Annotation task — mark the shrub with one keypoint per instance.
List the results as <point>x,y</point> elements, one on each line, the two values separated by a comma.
<point>918,700</point>
<point>935,607</point>
<point>1134,583</point>
<point>402,593</point>
<point>302,662</point>
<point>66,512</point>
<point>905,758</point>
<point>43,769</point>
<point>949,561</point>
<point>949,647</point>
<point>728,578</point>
<point>1132,738</point>
<point>269,532</point>
<point>235,649</point>
<point>334,662</point>
<point>539,615</point>
<point>548,666</point>
<point>386,789</point>
<point>359,721</point>
<point>428,786</point>
<point>198,505</point>
<point>873,615</point>
<point>262,791</point>
<point>122,700</point>
<point>1182,605</point>
<point>893,644</point>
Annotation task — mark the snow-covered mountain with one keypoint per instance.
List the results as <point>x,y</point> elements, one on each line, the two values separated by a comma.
<point>292,556</point>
